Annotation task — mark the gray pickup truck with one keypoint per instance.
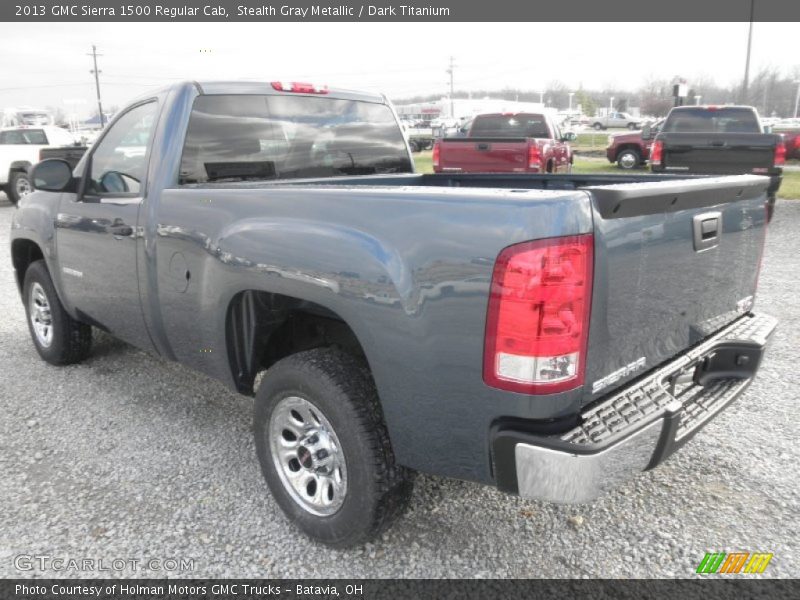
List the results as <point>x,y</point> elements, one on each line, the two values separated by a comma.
<point>551,335</point>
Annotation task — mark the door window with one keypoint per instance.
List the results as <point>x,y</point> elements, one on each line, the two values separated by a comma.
<point>118,163</point>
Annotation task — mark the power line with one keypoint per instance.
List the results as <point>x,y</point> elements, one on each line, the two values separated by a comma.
<point>38,87</point>
<point>96,73</point>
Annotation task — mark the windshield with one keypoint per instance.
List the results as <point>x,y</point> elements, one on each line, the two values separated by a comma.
<point>510,126</point>
<point>23,136</point>
<point>712,120</point>
<point>237,137</point>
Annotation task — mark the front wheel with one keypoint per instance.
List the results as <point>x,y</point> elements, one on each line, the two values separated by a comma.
<point>19,186</point>
<point>632,126</point>
<point>59,339</point>
<point>324,449</point>
<point>598,126</point>
<point>628,159</point>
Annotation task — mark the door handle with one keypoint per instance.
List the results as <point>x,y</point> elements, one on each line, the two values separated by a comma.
<point>121,230</point>
<point>707,228</point>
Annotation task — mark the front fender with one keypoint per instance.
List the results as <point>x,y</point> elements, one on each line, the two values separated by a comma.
<point>33,221</point>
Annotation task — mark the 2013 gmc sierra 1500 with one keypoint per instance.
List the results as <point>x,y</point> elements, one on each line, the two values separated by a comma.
<point>550,335</point>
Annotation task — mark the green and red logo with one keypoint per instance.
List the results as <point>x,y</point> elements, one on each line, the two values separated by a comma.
<point>735,562</point>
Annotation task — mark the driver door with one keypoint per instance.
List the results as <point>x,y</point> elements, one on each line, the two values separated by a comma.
<point>97,237</point>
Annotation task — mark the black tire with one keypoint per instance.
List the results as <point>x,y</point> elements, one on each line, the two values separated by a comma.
<point>629,158</point>
<point>341,389</point>
<point>598,126</point>
<point>17,182</point>
<point>633,126</point>
<point>71,341</point>
<point>414,146</point>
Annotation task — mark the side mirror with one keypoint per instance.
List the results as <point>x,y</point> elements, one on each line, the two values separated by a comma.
<point>647,131</point>
<point>53,175</point>
<point>569,136</point>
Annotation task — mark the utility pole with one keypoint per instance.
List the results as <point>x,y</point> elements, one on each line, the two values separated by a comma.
<point>450,72</point>
<point>797,98</point>
<point>746,82</point>
<point>96,73</point>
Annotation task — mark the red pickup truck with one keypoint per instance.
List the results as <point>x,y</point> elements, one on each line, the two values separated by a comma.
<point>506,143</point>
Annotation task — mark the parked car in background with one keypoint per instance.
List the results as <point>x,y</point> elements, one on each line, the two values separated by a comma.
<point>419,134</point>
<point>722,140</point>
<point>506,143</point>
<point>616,119</point>
<point>791,139</point>
<point>630,150</point>
<point>25,117</point>
<point>20,149</point>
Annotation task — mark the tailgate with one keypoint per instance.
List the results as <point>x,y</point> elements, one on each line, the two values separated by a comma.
<point>675,261</point>
<point>484,155</point>
<point>720,153</point>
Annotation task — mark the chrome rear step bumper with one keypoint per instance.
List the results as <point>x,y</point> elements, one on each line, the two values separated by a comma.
<point>637,427</point>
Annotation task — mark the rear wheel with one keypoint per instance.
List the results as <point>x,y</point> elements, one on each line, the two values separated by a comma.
<point>628,159</point>
<point>59,339</point>
<point>413,145</point>
<point>19,186</point>
<point>324,449</point>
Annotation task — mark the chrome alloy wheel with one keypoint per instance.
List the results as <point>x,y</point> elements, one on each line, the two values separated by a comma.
<point>628,160</point>
<point>23,187</point>
<point>40,316</point>
<point>307,456</point>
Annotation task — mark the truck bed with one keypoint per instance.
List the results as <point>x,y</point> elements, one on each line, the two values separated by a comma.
<point>657,291</point>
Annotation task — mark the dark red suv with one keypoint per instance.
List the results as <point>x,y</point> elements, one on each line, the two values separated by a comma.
<point>629,150</point>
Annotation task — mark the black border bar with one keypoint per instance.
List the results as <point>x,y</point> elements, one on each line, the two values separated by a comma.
<point>393,11</point>
<point>701,587</point>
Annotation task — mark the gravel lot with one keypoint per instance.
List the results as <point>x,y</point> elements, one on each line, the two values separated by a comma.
<point>127,456</point>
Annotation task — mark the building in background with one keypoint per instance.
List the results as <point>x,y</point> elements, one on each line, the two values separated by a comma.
<point>462,109</point>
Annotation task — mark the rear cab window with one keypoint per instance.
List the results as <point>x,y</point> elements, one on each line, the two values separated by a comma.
<point>510,126</point>
<point>712,120</point>
<point>34,137</point>
<point>278,137</point>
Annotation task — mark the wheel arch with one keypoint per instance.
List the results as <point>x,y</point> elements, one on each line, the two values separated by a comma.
<point>20,165</point>
<point>24,252</point>
<point>629,146</point>
<point>263,327</point>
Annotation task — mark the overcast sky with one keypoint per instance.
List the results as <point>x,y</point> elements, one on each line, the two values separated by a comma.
<point>46,64</point>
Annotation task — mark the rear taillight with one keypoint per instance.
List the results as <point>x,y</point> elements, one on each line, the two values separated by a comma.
<point>780,154</point>
<point>299,88</point>
<point>534,157</point>
<point>656,152</point>
<point>437,151</point>
<point>537,324</point>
